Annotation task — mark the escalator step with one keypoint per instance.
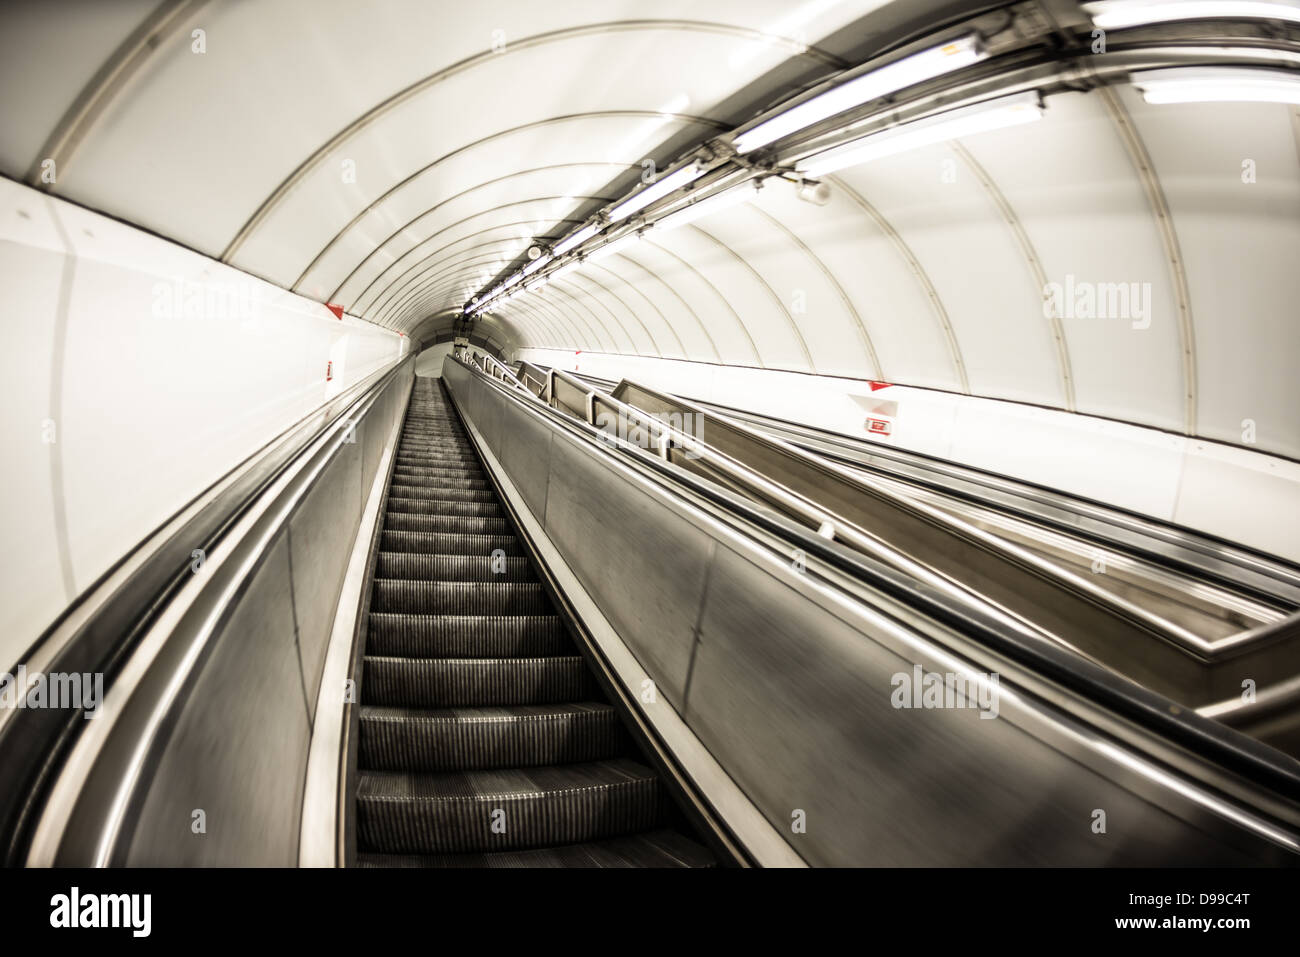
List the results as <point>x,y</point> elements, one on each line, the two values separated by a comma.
<point>454,812</point>
<point>469,739</point>
<point>651,849</point>
<point>453,568</point>
<point>468,524</point>
<point>448,543</point>
<point>433,506</point>
<point>440,492</point>
<point>467,636</point>
<point>444,484</point>
<point>474,682</point>
<point>431,475</point>
<point>460,597</point>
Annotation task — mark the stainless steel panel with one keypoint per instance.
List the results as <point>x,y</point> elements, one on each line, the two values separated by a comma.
<point>645,563</point>
<point>790,689</point>
<point>526,455</point>
<point>321,535</point>
<point>796,703</point>
<point>239,749</point>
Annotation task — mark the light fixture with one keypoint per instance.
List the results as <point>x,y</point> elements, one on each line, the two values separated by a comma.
<point>534,251</point>
<point>706,207</point>
<point>576,239</point>
<point>610,249</point>
<point>990,115</point>
<point>657,190</point>
<point>1218,85</point>
<point>564,270</point>
<point>1118,14</point>
<point>535,265</point>
<point>887,79</point>
<point>813,191</point>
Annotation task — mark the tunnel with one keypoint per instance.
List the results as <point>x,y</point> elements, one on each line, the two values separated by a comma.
<point>730,434</point>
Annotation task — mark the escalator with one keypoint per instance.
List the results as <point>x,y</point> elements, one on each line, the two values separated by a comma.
<point>484,739</point>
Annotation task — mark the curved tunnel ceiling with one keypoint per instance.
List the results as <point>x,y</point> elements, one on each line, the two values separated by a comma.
<point>405,159</point>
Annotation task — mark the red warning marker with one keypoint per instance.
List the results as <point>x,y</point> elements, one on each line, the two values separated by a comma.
<point>336,309</point>
<point>877,386</point>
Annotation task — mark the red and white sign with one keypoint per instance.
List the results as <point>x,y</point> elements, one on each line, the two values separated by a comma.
<point>879,426</point>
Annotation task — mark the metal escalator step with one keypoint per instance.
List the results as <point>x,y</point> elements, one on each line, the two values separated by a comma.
<point>467,636</point>
<point>466,524</point>
<point>433,506</point>
<point>471,739</point>
<point>445,483</point>
<point>459,597</point>
<point>474,682</point>
<point>442,812</point>
<point>432,474</point>
<point>459,448</point>
<point>440,492</point>
<point>434,444</point>
<point>652,849</point>
<point>455,465</point>
<point>453,568</point>
<point>448,543</point>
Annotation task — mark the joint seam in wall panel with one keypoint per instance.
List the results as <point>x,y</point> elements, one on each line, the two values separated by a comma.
<point>558,290</point>
<point>655,276</point>
<point>484,212</point>
<point>717,292</point>
<point>410,269</point>
<point>922,277</point>
<point>576,322</point>
<point>560,332</point>
<point>377,247</point>
<point>58,495</point>
<point>405,297</point>
<point>451,259</point>
<point>532,323</point>
<point>566,284</point>
<point>668,325</point>
<point>96,97</point>
<point>794,326</point>
<point>365,119</point>
<point>1141,159</point>
<point>1031,256</point>
<point>568,328</point>
<point>575,276</point>
<point>867,347</point>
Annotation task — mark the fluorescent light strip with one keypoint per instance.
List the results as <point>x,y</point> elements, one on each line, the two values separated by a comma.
<point>982,117</point>
<point>576,239</point>
<point>706,207</point>
<point>1218,85</point>
<point>890,78</point>
<point>1118,14</point>
<point>660,188</point>
<point>610,249</point>
<point>565,269</point>
<point>536,264</point>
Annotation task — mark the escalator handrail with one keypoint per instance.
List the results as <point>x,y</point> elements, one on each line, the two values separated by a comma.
<point>1208,740</point>
<point>279,465</point>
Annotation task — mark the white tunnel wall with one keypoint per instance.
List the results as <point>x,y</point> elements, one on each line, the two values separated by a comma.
<point>403,188</point>
<point>929,269</point>
<point>1237,494</point>
<point>135,374</point>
